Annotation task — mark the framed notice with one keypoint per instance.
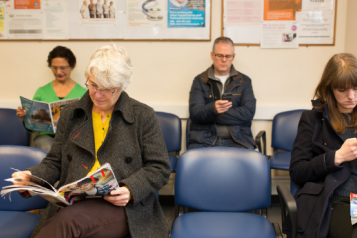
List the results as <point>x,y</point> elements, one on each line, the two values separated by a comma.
<point>279,23</point>
<point>105,20</point>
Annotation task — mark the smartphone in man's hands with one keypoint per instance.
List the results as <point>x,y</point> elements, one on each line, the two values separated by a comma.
<point>227,96</point>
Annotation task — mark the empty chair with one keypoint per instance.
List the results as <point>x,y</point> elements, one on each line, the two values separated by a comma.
<point>12,131</point>
<point>284,131</point>
<point>223,184</point>
<point>170,125</point>
<point>14,221</point>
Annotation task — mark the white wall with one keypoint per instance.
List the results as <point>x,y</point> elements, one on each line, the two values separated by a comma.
<point>351,26</point>
<point>283,79</point>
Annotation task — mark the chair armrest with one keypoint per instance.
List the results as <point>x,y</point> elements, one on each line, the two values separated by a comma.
<point>288,207</point>
<point>258,140</point>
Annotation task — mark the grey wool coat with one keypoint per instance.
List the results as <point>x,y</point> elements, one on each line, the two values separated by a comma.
<point>135,148</point>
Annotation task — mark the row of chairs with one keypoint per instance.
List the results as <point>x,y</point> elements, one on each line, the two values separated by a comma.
<point>283,135</point>
<point>222,182</point>
<point>171,128</point>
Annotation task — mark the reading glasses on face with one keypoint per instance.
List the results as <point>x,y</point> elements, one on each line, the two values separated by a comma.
<point>62,68</point>
<point>219,56</point>
<point>104,92</point>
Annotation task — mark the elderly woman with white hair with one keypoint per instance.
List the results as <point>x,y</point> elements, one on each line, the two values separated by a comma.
<point>106,125</point>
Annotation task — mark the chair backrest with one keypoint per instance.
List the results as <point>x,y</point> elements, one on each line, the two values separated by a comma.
<point>223,179</point>
<point>170,125</point>
<point>19,157</point>
<point>285,125</point>
<point>12,131</point>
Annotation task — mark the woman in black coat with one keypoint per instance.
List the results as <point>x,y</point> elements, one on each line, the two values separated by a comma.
<point>323,162</point>
<point>107,126</point>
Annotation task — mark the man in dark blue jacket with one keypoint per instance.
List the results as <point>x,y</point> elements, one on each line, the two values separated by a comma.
<point>217,122</point>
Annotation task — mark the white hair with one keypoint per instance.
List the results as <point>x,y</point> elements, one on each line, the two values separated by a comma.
<point>111,67</point>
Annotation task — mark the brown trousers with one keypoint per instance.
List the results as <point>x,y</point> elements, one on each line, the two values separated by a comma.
<point>90,218</point>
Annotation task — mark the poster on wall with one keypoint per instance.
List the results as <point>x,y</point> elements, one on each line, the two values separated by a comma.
<point>3,34</point>
<point>279,34</point>
<point>105,19</point>
<point>315,20</point>
<point>24,19</point>
<point>242,20</point>
<point>186,13</point>
<point>316,27</point>
<point>280,10</point>
<point>143,13</point>
<point>55,19</point>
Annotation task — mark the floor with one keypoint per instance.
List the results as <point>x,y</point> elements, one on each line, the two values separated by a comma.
<point>274,212</point>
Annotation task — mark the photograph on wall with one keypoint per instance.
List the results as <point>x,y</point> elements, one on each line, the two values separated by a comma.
<point>146,13</point>
<point>186,13</point>
<point>94,12</point>
<point>281,10</point>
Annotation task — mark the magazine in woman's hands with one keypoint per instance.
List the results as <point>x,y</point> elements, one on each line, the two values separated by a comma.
<point>96,184</point>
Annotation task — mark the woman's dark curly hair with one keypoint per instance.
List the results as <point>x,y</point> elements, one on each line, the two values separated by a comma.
<point>62,52</point>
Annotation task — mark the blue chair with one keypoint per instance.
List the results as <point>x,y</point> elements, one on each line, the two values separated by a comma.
<point>260,138</point>
<point>170,125</point>
<point>284,131</point>
<point>12,131</point>
<point>223,184</point>
<point>14,221</point>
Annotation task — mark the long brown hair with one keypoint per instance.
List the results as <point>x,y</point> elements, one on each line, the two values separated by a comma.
<point>340,73</point>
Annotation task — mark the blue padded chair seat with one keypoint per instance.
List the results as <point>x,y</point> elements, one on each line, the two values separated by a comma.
<point>173,162</point>
<point>17,224</point>
<point>280,160</point>
<point>223,225</point>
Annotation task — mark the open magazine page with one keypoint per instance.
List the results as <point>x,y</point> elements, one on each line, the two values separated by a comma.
<point>56,108</point>
<point>97,184</point>
<point>38,115</point>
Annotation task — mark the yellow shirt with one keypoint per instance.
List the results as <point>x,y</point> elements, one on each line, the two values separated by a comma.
<point>100,131</point>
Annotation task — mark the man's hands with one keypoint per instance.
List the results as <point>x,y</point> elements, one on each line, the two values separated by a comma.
<point>119,197</point>
<point>222,106</point>
<point>347,152</point>
<point>21,113</point>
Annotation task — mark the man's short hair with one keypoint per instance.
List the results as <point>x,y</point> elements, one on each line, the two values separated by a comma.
<point>223,39</point>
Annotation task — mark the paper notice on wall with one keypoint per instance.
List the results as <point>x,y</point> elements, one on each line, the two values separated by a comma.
<point>55,19</point>
<point>24,24</point>
<point>316,27</point>
<point>142,13</point>
<point>3,34</point>
<point>279,34</point>
<point>243,12</point>
<point>318,5</point>
<point>281,10</point>
<point>242,20</point>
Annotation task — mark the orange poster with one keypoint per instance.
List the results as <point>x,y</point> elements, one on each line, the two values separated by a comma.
<point>27,4</point>
<point>281,10</point>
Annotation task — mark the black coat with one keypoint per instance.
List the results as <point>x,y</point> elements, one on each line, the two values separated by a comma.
<point>135,148</point>
<point>313,169</point>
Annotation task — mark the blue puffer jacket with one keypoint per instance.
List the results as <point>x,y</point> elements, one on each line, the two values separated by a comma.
<point>238,118</point>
